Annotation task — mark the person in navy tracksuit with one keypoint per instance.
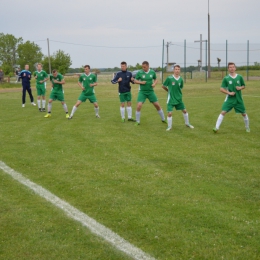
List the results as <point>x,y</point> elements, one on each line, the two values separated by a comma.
<point>123,78</point>
<point>25,75</point>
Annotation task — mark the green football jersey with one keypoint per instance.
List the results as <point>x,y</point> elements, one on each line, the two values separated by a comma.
<point>230,83</point>
<point>41,75</point>
<point>148,76</point>
<point>174,86</point>
<point>85,80</point>
<point>56,86</point>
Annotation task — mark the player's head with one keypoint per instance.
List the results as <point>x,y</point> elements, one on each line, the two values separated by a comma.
<point>87,69</point>
<point>145,66</point>
<point>54,73</point>
<point>39,66</point>
<point>231,67</point>
<point>26,67</point>
<point>176,70</point>
<point>123,66</point>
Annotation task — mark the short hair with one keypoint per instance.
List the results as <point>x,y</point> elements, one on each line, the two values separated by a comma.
<point>39,64</point>
<point>231,63</point>
<point>123,63</point>
<point>54,71</point>
<point>86,66</point>
<point>145,63</point>
<point>176,65</point>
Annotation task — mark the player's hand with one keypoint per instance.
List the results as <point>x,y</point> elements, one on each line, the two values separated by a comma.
<point>153,85</point>
<point>55,81</point>
<point>143,82</point>
<point>35,77</point>
<point>120,79</point>
<point>132,79</point>
<point>239,88</point>
<point>232,93</point>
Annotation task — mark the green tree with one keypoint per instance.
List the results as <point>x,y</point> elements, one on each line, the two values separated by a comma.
<point>59,61</point>
<point>8,51</point>
<point>29,53</point>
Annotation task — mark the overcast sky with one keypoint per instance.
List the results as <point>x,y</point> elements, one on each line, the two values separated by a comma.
<point>139,25</point>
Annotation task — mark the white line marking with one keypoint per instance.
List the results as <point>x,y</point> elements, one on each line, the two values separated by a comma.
<point>95,227</point>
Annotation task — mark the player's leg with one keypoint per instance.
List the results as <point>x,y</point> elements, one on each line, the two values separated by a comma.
<point>23,96</point>
<point>246,120</point>
<point>43,102</point>
<point>219,121</point>
<point>39,93</point>
<point>122,111</point>
<point>226,107</point>
<point>49,108</point>
<point>65,108</point>
<point>186,118</point>
<point>159,110</point>
<point>122,106</point>
<point>128,98</point>
<point>29,90</point>
<point>154,100</point>
<point>93,100</point>
<point>169,118</point>
<point>75,107</point>
<point>140,100</point>
<point>96,108</point>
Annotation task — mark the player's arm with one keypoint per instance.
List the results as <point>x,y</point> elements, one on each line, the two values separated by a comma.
<point>94,82</point>
<point>165,88</point>
<point>165,84</point>
<point>243,86</point>
<point>225,91</point>
<point>154,83</point>
<point>115,79</point>
<point>81,86</point>
<point>137,81</point>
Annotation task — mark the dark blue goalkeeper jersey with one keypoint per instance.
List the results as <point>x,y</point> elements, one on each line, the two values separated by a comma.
<point>124,85</point>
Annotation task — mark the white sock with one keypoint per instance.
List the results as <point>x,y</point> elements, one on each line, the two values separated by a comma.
<point>43,103</point>
<point>122,112</point>
<point>49,107</point>
<point>219,121</point>
<point>169,120</point>
<point>73,111</point>
<point>246,120</point>
<point>160,112</point>
<point>39,103</point>
<point>96,110</point>
<point>129,112</point>
<point>65,108</point>
<point>138,116</point>
<point>186,118</point>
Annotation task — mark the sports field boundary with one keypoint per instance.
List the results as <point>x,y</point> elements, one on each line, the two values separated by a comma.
<point>73,213</point>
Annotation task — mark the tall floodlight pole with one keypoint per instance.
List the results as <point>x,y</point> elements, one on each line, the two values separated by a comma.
<point>49,55</point>
<point>167,52</point>
<point>200,41</point>
<point>208,42</point>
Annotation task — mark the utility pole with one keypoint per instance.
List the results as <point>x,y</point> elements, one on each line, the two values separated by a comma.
<point>49,56</point>
<point>209,69</point>
<point>167,52</point>
<point>200,41</point>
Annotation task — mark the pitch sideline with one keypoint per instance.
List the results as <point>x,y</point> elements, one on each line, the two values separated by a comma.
<point>95,227</point>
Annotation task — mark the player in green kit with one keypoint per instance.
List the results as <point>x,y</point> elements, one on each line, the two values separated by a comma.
<point>41,77</point>
<point>232,86</point>
<point>147,80</point>
<point>57,92</point>
<point>173,85</point>
<point>87,82</point>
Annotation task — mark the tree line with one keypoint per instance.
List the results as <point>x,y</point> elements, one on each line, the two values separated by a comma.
<point>15,53</point>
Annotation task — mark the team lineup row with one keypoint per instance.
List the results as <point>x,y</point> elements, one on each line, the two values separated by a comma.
<point>146,78</point>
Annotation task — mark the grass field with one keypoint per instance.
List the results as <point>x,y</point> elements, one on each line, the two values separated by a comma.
<point>183,194</point>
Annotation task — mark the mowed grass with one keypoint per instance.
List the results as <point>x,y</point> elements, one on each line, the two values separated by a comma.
<point>183,194</point>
